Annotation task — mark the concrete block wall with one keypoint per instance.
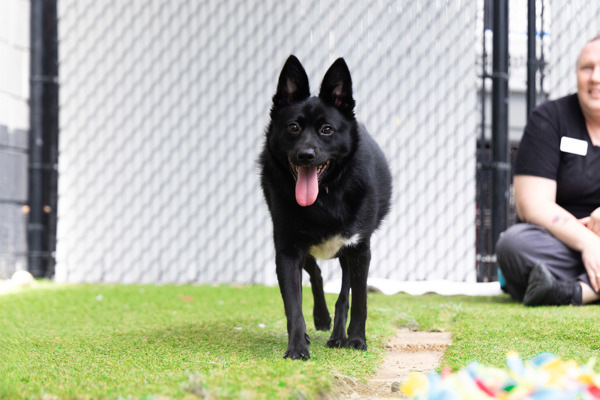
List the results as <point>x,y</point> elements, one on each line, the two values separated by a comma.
<point>14,126</point>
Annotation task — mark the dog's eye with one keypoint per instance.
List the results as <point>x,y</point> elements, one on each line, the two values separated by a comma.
<point>326,130</point>
<point>293,127</point>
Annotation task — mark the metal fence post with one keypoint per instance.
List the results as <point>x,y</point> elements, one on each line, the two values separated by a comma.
<point>43,136</point>
<point>531,56</point>
<point>500,98</point>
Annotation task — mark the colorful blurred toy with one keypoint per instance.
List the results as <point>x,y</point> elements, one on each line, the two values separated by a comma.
<point>544,377</point>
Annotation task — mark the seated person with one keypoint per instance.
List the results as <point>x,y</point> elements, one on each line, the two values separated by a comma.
<point>553,256</point>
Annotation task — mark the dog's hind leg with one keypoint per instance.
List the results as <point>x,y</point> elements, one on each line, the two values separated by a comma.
<point>338,336</point>
<point>359,258</point>
<point>320,311</point>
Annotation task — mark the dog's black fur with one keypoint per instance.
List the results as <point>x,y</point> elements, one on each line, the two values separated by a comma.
<point>309,135</point>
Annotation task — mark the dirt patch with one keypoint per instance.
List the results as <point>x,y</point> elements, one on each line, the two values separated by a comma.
<point>407,351</point>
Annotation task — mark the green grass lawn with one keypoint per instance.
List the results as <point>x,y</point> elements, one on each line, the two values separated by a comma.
<point>157,342</point>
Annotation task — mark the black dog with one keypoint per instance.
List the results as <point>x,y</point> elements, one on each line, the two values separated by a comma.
<point>328,186</point>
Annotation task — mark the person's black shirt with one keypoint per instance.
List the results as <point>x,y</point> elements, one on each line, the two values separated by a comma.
<point>577,177</point>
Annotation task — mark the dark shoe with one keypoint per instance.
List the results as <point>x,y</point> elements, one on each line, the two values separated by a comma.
<point>539,284</point>
<point>566,293</point>
<point>544,289</point>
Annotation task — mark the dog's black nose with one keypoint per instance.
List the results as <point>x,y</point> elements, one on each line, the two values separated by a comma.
<point>306,155</point>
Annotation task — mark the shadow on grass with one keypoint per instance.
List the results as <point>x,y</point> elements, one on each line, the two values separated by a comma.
<point>223,342</point>
<point>206,339</point>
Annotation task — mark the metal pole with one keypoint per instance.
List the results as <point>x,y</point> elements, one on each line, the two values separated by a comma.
<point>500,99</point>
<point>542,61</point>
<point>531,56</point>
<point>43,130</point>
<point>483,164</point>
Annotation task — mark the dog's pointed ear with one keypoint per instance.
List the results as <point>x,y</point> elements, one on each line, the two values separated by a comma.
<point>336,88</point>
<point>293,83</point>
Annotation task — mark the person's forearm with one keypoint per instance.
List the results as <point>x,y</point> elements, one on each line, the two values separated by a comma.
<point>560,223</point>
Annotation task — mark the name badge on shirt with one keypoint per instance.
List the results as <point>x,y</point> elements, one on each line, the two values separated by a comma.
<point>573,146</point>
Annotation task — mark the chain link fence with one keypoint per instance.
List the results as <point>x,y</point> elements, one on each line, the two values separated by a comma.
<point>573,22</point>
<point>164,105</point>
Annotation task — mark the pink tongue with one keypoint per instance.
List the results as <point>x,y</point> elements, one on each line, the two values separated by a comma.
<point>307,186</point>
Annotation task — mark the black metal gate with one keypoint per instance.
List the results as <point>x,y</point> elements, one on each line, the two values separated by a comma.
<point>496,209</point>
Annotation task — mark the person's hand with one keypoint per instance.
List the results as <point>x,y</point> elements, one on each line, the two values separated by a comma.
<point>593,221</point>
<point>591,260</point>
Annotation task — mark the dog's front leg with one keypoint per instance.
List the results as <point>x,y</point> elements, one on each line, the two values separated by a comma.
<point>289,276</point>
<point>359,259</point>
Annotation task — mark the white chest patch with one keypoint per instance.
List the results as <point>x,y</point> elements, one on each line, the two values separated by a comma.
<point>329,248</point>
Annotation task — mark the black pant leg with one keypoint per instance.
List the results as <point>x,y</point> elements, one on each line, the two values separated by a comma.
<point>522,246</point>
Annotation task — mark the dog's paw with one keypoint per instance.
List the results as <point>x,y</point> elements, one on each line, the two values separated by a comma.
<point>297,354</point>
<point>298,351</point>
<point>323,323</point>
<point>358,344</point>
<point>337,342</point>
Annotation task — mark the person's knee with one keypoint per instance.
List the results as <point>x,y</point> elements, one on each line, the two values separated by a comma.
<point>510,258</point>
<point>509,243</point>
<point>514,252</point>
